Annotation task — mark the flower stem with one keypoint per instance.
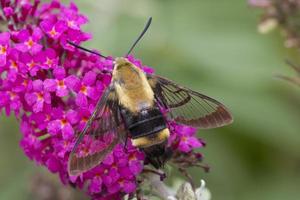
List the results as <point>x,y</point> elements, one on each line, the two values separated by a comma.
<point>44,137</point>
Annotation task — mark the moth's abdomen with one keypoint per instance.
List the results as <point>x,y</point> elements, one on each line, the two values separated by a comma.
<point>149,132</point>
<point>151,140</point>
<point>146,122</point>
<point>158,154</point>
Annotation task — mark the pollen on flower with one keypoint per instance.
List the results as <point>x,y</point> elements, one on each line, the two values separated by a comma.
<point>53,32</point>
<point>13,64</point>
<point>61,83</point>
<point>25,82</point>
<point>121,182</point>
<point>84,119</point>
<point>184,139</point>
<point>114,166</point>
<point>40,96</point>
<point>85,151</point>
<point>48,117</point>
<point>83,89</point>
<point>70,23</point>
<point>3,50</point>
<point>31,64</point>
<point>66,143</point>
<point>63,122</point>
<point>12,95</point>
<point>49,61</point>
<point>132,157</point>
<point>30,43</point>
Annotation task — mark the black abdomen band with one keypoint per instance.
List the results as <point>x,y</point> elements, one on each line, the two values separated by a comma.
<point>146,122</point>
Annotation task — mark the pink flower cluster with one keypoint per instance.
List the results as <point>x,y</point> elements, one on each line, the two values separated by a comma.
<point>53,88</point>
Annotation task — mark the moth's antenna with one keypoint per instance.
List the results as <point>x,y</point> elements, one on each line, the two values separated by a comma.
<point>85,49</point>
<point>140,36</point>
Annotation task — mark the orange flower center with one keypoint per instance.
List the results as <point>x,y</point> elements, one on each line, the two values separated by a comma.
<point>3,49</point>
<point>12,95</point>
<point>39,96</point>
<point>132,157</point>
<point>184,139</point>
<point>121,182</point>
<point>61,83</point>
<point>85,151</point>
<point>63,122</point>
<point>83,89</point>
<point>31,64</point>
<point>48,117</point>
<point>53,32</point>
<point>30,43</point>
<point>49,61</point>
<point>13,64</point>
<point>71,23</point>
<point>85,119</point>
<point>66,143</point>
<point>25,82</point>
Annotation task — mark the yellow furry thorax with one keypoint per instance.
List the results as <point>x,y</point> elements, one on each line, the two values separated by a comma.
<point>131,84</point>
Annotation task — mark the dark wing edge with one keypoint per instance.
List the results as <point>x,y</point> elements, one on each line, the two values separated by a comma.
<point>107,114</point>
<point>188,107</point>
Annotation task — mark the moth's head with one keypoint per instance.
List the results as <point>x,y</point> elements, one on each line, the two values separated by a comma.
<point>126,73</point>
<point>121,62</point>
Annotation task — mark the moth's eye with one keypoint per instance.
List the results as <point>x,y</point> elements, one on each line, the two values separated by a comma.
<point>122,65</point>
<point>119,67</point>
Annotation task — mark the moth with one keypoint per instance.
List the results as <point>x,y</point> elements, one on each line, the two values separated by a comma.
<point>136,106</point>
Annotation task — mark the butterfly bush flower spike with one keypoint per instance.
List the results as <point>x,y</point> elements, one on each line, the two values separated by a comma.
<point>52,88</point>
<point>282,15</point>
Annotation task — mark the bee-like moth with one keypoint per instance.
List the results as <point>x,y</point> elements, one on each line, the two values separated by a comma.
<point>136,106</point>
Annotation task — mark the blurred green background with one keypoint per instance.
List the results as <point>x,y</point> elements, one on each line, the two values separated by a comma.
<point>211,46</point>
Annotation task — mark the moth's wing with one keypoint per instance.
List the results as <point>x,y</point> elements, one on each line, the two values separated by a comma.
<point>106,119</point>
<point>188,107</point>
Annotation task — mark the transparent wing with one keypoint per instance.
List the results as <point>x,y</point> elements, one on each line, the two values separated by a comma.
<point>187,106</point>
<point>106,119</point>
